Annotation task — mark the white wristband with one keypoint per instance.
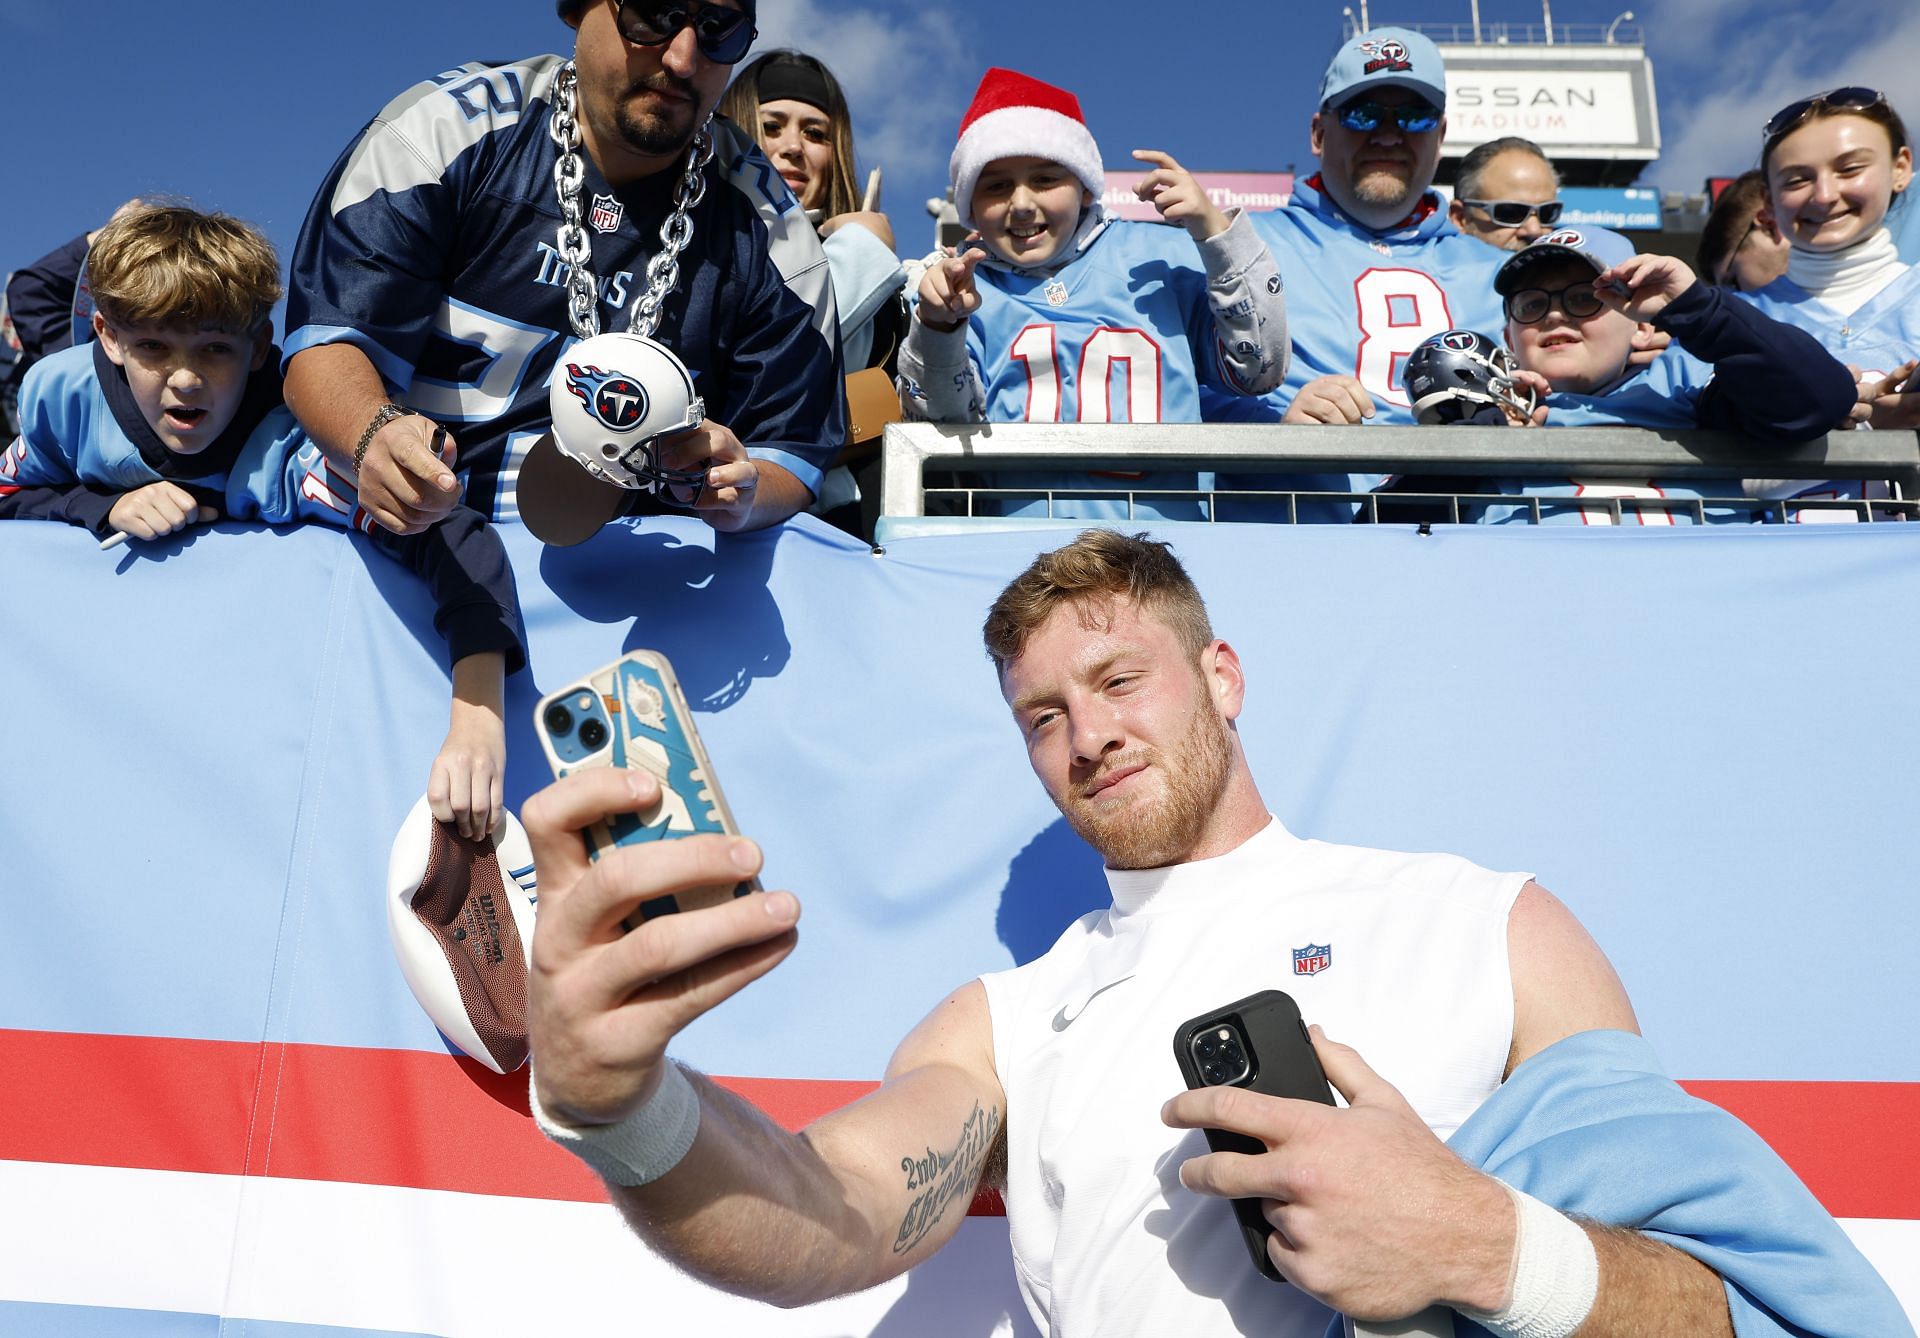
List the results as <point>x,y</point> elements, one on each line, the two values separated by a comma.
<point>639,1149</point>
<point>1556,1275</point>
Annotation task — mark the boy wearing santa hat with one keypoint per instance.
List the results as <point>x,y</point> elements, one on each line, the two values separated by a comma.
<point>1056,311</point>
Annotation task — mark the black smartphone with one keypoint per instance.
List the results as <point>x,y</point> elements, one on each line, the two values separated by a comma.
<point>632,713</point>
<point>1259,1043</point>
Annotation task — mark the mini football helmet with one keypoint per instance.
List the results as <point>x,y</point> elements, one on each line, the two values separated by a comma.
<point>612,397</point>
<point>1451,376</point>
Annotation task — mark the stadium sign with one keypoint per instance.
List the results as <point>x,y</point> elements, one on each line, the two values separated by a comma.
<point>1593,102</point>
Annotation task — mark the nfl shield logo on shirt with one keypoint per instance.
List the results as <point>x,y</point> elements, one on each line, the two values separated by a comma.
<point>607,213</point>
<point>1312,959</point>
<point>1056,293</point>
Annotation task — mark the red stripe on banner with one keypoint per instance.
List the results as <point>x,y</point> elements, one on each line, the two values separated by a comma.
<point>430,1121</point>
<point>1853,1143</point>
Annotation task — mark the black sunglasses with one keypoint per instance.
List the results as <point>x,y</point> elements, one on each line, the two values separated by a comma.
<point>1415,118</point>
<point>1512,213</point>
<point>1530,306</point>
<point>723,35</point>
<point>1793,113</point>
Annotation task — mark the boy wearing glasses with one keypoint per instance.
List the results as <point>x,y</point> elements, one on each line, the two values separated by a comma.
<point>432,273</point>
<point>1574,300</point>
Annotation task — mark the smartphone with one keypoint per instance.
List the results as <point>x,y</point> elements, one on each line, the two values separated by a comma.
<point>631,713</point>
<point>1259,1043</point>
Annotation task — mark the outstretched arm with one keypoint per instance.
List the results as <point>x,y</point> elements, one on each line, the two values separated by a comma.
<point>859,1196</point>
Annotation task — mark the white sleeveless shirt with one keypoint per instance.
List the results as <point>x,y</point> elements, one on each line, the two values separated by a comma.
<point>1406,962</point>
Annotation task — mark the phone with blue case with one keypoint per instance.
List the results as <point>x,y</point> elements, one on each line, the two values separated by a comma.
<point>631,713</point>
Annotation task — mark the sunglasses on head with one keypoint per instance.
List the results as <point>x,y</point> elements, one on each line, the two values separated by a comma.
<point>1414,118</point>
<point>1512,213</point>
<point>1530,306</point>
<point>723,35</point>
<point>1793,113</point>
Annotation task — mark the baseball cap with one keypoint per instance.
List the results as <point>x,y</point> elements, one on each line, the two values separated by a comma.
<point>1385,56</point>
<point>1602,248</point>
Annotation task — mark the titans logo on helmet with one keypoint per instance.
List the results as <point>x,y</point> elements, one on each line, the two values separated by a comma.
<point>1459,339</point>
<point>617,401</point>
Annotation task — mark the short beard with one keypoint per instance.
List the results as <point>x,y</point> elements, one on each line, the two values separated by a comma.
<point>1382,190</point>
<point>654,135</point>
<point>1195,775</point>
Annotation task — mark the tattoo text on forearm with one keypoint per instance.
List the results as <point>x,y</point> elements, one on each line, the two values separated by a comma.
<point>941,1177</point>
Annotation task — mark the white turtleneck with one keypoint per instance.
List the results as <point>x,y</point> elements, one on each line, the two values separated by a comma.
<point>1851,277</point>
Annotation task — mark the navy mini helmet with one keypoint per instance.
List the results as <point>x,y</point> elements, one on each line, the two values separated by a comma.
<point>1456,373</point>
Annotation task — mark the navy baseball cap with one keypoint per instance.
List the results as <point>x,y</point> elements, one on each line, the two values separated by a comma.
<point>1385,56</point>
<point>1603,248</point>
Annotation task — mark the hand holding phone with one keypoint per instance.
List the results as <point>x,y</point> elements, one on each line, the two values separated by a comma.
<point>632,714</point>
<point>1261,1044</point>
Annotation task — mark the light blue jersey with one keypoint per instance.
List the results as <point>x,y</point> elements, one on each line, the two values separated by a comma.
<point>1360,301</point>
<point>1663,394</point>
<point>69,434</point>
<point>1122,332</point>
<point>1877,337</point>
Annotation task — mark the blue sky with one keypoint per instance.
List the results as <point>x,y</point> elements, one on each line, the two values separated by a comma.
<point>113,99</point>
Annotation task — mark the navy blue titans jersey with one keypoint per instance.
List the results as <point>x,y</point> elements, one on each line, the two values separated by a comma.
<point>431,247</point>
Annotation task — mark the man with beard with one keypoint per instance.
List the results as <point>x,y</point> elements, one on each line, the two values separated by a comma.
<point>429,300</point>
<point>1052,1080</point>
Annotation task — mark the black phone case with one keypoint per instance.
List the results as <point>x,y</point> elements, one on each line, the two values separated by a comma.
<point>1282,1063</point>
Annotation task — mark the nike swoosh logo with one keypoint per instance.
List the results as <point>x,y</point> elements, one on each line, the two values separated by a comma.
<point>1060,1019</point>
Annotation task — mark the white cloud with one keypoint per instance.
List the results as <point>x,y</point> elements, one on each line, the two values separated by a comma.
<point>907,75</point>
<point>1722,68</point>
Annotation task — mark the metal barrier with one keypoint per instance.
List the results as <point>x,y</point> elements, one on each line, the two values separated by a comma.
<point>910,450</point>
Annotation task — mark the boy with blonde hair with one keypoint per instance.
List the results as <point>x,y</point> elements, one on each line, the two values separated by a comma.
<point>173,417</point>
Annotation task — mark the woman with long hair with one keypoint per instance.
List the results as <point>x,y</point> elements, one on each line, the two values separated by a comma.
<point>794,107</point>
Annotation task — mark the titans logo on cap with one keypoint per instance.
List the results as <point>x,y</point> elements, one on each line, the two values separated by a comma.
<point>617,401</point>
<point>1384,55</point>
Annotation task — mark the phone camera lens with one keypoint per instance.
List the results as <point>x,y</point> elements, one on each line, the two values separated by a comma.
<point>559,719</point>
<point>1214,1074</point>
<point>593,734</point>
<point>1204,1047</point>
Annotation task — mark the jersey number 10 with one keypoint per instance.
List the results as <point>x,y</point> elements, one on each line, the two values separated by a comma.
<point>1132,353</point>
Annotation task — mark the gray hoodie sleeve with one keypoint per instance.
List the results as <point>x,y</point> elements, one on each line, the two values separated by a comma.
<point>1249,305</point>
<point>937,380</point>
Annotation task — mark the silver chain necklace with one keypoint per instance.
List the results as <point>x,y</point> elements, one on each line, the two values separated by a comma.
<point>663,271</point>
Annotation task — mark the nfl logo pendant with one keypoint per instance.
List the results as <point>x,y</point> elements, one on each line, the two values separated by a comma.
<point>607,213</point>
<point>1312,959</point>
<point>1056,293</point>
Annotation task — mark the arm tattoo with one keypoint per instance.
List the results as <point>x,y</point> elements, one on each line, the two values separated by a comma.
<point>942,1177</point>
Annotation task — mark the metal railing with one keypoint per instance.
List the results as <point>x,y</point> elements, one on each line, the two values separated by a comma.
<point>910,451</point>
<point>1515,34</point>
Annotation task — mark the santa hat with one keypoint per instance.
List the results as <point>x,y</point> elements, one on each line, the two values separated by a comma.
<point>1016,116</point>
